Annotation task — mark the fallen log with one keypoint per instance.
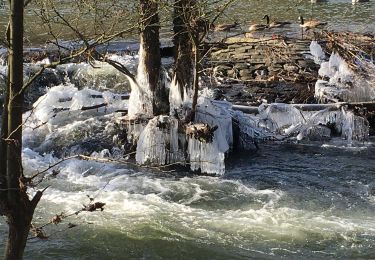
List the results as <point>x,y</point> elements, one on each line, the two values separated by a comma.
<point>67,99</point>
<point>302,107</point>
<point>94,107</point>
<point>370,106</point>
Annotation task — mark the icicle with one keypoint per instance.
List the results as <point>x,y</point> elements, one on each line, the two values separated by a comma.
<point>175,97</point>
<point>151,144</point>
<point>209,156</point>
<point>354,128</point>
<point>158,144</point>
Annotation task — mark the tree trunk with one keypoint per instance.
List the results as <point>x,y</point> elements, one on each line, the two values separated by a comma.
<point>149,56</point>
<point>183,66</point>
<point>3,157</point>
<point>19,227</point>
<point>19,209</point>
<point>195,77</point>
<point>3,144</point>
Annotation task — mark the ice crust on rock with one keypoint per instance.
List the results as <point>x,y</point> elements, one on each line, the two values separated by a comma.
<point>57,118</point>
<point>52,107</point>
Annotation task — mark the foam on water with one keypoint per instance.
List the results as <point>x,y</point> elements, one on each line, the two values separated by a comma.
<point>208,210</point>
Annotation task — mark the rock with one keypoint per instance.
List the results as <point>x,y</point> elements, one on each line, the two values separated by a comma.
<point>245,72</point>
<point>234,73</point>
<point>221,70</point>
<point>241,66</point>
<point>317,133</point>
<point>290,68</point>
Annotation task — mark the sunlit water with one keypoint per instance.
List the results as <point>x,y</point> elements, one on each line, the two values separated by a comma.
<point>340,15</point>
<point>294,201</point>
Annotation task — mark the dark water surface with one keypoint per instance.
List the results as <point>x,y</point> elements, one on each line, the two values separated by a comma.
<point>293,201</point>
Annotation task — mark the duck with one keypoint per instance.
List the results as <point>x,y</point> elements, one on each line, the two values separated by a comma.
<point>224,27</point>
<point>311,24</point>
<point>257,27</point>
<point>274,24</point>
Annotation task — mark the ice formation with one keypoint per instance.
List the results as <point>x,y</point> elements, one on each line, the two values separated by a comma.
<point>275,117</point>
<point>175,95</point>
<point>140,101</point>
<point>249,130</point>
<point>209,157</point>
<point>158,143</point>
<point>317,52</point>
<point>354,128</point>
<point>65,117</point>
<point>343,83</point>
<point>67,98</point>
<point>287,122</point>
<point>179,101</point>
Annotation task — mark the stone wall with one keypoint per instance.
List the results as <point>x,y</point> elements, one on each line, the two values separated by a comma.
<point>273,69</point>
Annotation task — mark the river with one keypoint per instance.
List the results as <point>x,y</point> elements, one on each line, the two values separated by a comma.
<point>294,201</point>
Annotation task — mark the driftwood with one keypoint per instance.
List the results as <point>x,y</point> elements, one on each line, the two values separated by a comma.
<point>67,99</point>
<point>370,106</point>
<point>85,108</point>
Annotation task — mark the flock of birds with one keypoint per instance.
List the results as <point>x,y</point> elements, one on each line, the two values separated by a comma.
<point>307,25</point>
<point>311,24</point>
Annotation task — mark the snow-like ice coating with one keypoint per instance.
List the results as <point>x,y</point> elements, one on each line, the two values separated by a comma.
<point>317,52</point>
<point>175,96</point>
<point>343,83</point>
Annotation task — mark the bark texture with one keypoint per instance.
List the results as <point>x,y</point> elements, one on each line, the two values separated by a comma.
<point>183,67</point>
<point>150,59</point>
<point>14,201</point>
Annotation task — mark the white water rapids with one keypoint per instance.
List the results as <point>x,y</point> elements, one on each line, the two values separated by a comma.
<point>291,200</point>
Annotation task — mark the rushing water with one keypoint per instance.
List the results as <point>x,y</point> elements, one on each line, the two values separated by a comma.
<point>293,201</point>
<point>290,201</point>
